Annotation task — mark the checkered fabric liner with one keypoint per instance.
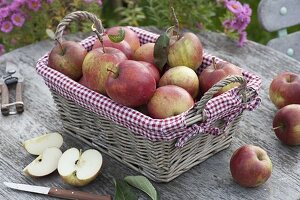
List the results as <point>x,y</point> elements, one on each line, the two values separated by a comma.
<point>226,106</point>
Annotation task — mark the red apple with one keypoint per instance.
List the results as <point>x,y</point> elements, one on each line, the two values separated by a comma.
<point>96,64</point>
<point>285,89</point>
<point>187,51</point>
<point>286,124</point>
<point>83,81</point>
<point>123,46</point>
<point>250,166</point>
<point>130,83</point>
<point>153,70</point>
<point>181,76</point>
<point>130,36</point>
<point>145,53</point>
<point>169,100</point>
<point>216,72</point>
<point>67,57</point>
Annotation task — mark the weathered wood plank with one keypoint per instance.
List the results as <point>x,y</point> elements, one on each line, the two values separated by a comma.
<point>209,180</point>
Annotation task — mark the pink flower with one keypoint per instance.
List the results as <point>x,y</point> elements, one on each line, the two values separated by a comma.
<point>34,5</point>
<point>17,19</point>
<point>49,1</point>
<point>6,26</point>
<point>2,49</point>
<point>100,2</point>
<point>234,6</point>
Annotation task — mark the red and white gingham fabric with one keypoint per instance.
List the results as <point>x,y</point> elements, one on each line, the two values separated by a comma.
<point>226,106</point>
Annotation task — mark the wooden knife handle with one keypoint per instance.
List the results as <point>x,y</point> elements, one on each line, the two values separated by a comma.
<point>19,91</point>
<point>69,194</point>
<point>5,100</point>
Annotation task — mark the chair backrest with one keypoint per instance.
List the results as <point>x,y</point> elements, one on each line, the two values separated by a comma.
<point>278,15</point>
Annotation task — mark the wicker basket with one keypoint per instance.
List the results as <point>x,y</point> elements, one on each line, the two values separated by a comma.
<point>159,159</point>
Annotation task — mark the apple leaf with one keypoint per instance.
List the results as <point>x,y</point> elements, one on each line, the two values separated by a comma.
<point>143,184</point>
<point>161,50</point>
<point>124,191</point>
<point>118,37</point>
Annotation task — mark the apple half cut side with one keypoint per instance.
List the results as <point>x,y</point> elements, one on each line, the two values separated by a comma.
<point>37,145</point>
<point>79,169</point>
<point>44,164</point>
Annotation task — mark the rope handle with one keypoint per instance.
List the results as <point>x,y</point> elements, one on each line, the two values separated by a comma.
<point>196,115</point>
<point>78,16</point>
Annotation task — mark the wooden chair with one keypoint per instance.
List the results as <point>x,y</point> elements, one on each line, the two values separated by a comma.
<point>278,15</point>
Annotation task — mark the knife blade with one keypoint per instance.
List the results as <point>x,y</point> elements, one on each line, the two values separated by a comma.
<point>56,192</point>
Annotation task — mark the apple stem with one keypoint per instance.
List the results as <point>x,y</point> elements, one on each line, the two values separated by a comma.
<point>277,127</point>
<point>113,71</point>
<point>59,43</point>
<point>176,22</point>
<point>214,62</point>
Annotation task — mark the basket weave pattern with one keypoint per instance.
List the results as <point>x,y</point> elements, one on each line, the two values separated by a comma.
<point>161,149</point>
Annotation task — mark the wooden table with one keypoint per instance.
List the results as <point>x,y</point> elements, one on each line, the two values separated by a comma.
<point>209,180</point>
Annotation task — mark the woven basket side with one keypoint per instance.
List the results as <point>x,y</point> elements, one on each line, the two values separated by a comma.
<point>159,161</point>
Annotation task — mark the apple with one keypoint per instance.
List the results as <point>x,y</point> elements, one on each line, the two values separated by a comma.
<point>250,166</point>
<point>37,145</point>
<point>123,46</point>
<point>285,89</point>
<point>95,65</point>
<point>186,51</point>
<point>181,76</point>
<point>130,36</point>
<point>82,81</point>
<point>169,100</point>
<point>67,57</point>
<point>130,84</point>
<point>44,164</point>
<point>153,70</point>
<point>145,53</point>
<point>286,124</point>
<point>79,168</point>
<point>216,72</point>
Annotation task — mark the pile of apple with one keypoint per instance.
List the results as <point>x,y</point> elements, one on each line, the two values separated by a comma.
<point>159,79</point>
<point>76,168</point>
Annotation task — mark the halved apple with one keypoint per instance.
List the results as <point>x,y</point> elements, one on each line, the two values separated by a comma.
<point>37,145</point>
<point>44,164</point>
<point>79,169</point>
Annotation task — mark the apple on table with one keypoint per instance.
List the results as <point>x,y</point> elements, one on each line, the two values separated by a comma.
<point>286,124</point>
<point>67,57</point>
<point>285,89</point>
<point>250,166</point>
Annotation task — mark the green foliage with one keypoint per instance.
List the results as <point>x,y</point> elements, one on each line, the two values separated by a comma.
<point>192,14</point>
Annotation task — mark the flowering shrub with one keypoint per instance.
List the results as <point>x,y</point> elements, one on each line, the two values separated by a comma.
<point>25,21</point>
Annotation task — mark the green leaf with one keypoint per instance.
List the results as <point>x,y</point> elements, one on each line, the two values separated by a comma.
<point>142,183</point>
<point>124,191</point>
<point>161,48</point>
<point>117,38</point>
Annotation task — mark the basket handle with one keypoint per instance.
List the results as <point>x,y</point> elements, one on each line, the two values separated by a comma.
<point>77,16</point>
<point>196,113</point>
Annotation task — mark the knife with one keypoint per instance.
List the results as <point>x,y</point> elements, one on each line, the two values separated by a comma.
<point>55,192</point>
